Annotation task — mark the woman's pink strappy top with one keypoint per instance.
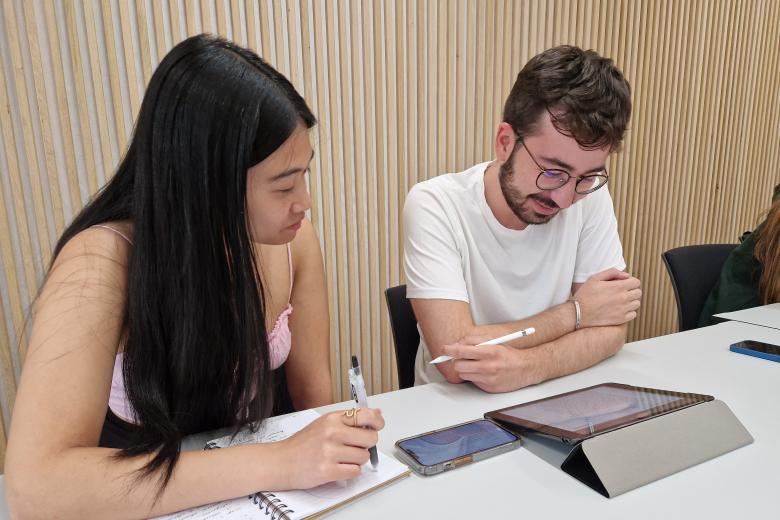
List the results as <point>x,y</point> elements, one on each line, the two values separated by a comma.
<point>279,344</point>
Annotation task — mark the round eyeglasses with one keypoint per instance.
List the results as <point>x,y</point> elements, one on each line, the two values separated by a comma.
<point>551,179</point>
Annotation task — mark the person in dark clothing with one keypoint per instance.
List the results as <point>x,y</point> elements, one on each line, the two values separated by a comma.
<point>751,274</point>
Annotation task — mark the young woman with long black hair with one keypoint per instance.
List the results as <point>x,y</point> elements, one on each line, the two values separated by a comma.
<point>174,301</point>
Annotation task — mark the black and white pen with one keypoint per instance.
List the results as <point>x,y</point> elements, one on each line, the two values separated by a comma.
<point>359,394</point>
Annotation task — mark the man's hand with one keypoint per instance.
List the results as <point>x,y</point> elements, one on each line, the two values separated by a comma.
<point>610,297</point>
<point>493,368</point>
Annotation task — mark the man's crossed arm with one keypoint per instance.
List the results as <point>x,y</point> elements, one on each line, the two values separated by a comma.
<point>608,301</point>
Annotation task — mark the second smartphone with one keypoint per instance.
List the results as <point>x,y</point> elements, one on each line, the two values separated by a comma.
<point>758,349</point>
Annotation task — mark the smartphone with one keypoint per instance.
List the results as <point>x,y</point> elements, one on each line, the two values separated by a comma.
<point>448,448</point>
<point>758,349</point>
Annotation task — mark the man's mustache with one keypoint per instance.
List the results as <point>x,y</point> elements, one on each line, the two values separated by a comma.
<point>547,202</point>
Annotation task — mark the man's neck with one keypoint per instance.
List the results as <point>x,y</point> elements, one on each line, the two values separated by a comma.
<point>496,201</point>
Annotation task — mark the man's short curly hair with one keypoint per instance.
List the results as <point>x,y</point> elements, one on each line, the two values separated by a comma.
<point>586,95</point>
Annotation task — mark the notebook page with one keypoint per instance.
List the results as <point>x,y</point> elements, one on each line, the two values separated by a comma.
<point>306,502</point>
<point>272,429</point>
<point>302,503</point>
<point>236,509</point>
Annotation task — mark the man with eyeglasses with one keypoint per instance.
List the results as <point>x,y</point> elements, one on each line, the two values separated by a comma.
<point>529,239</point>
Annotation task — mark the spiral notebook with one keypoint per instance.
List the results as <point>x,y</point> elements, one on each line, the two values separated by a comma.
<point>294,504</point>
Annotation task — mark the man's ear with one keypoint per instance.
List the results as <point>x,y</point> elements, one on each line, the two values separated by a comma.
<point>505,141</point>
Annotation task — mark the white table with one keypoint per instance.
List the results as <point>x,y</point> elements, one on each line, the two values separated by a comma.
<point>766,315</point>
<point>741,484</point>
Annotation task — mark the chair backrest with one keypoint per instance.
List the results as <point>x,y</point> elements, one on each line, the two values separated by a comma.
<point>694,271</point>
<point>405,336</point>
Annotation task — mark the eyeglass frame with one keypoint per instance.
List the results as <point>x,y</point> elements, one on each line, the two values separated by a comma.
<point>568,175</point>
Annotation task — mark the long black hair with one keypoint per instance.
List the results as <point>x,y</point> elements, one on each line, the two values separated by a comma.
<point>195,346</point>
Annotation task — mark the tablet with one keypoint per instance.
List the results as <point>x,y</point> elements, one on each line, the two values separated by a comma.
<point>575,416</point>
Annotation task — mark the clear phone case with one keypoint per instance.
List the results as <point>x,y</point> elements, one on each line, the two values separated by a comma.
<point>425,470</point>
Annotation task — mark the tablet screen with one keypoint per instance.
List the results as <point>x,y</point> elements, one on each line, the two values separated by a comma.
<point>577,415</point>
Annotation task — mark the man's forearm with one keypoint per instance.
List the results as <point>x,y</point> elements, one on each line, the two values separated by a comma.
<point>502,368</point>
<point>552,324</point>
<point>575,351</point>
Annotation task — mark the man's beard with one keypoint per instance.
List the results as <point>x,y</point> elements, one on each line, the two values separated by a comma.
<point>516,200</point>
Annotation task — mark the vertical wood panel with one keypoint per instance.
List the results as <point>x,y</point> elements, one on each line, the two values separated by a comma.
<point>403,91</point>
<point>30,83</point>
<point>49,183</point>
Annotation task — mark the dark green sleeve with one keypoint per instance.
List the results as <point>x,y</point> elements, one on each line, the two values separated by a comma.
<point>737,287</point>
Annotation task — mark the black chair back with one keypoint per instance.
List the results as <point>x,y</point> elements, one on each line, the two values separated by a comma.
<point>694,271</point>
<point>403,323</point>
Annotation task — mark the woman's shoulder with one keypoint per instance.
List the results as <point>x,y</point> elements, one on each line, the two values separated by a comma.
<point>105,246</point>
<point>91,268</point>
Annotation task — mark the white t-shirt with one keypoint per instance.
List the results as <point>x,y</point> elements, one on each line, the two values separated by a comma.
<point>455,249</point>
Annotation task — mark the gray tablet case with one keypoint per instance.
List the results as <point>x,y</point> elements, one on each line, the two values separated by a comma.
<point>621,460</point>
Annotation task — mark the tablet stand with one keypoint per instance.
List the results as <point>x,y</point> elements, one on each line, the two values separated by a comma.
<point>621,460</point>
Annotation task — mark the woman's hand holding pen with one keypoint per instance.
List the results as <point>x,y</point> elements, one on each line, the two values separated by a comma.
<point>333,447</point>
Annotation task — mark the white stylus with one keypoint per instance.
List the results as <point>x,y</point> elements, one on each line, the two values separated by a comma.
<point>496,341</point>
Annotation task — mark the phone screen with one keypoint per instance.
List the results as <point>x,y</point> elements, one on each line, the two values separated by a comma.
<point>759,346</point>
<point>458,441</point>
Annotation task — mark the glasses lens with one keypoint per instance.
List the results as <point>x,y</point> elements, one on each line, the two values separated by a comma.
<point>590,183</point>
<point>552,179</point>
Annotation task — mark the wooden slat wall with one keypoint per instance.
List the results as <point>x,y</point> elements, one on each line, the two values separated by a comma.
<point>404,90</point>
